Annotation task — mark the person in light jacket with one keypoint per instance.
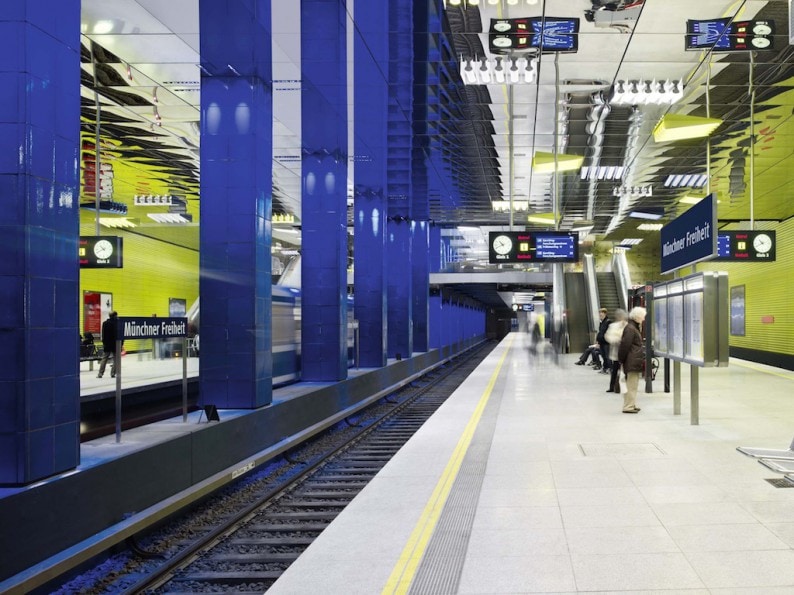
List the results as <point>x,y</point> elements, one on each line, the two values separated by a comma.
<point>613,336</point>
<point>631,354</point>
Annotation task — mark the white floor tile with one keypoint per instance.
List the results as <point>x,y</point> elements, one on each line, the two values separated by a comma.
<point>634,572</point>
<point>758,569</point>
<point>725,538</point>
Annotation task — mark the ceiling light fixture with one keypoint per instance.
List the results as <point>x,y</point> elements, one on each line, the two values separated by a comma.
<point>650,226</point>
<point>501,70</point>
<point>171,218</point>
<point>609,172</point>
<point>629,242</point>
<point>544,162</point>
<point>503,206</point>
<point>652,214</point>
<point>541,218</point>
<point>674,127</point>
<point>686,180</point>
<point>117,222</point>
<point>651,92</point>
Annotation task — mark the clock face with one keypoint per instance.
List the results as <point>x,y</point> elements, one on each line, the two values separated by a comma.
<point>762,243</point>
<point>502,244</point>
<point>761,42</point>
<point>762,29</point>
<point>103,249</point>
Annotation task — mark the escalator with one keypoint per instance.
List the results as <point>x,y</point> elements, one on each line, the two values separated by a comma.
<point>579,336</point>
<point>608,293</point>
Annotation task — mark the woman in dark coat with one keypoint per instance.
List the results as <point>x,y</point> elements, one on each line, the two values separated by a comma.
<point>631,354</point>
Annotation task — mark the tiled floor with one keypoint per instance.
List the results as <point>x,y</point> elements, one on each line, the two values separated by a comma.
<point>578,497</point>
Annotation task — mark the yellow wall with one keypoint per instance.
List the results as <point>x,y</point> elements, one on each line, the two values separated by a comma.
<point>769,288</point>
<point>768,291</point>
<point>153,272</point>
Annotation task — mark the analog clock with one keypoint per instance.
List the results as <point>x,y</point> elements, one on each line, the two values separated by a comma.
<point>761,42</point>
<point>762,243</point>
<point>502,244</point>
<point>103,249</point>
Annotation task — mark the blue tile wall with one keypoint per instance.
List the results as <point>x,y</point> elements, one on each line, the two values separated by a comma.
<point>39,131</point>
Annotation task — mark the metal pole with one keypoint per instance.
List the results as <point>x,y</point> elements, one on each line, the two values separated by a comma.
<point>694,395</point>
<point>97,157</point>
<point>752,142</point>
<point>676,388</point>
<point>184,379</point>
<point>510,147</point>
<point>117,367</point>
<point>667,374</point>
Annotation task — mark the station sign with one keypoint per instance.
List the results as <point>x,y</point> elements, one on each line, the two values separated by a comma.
<point>151,327</point>
<point>100,252</point>
<point>691,237</point>
<point>525,246</point>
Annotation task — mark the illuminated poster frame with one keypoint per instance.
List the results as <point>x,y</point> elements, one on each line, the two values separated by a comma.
<point>691,319</point>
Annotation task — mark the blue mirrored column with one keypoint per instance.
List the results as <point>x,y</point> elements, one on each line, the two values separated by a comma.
<point>371,59</point>
<point>39,227</point>
<point>324,191</point>
<point>400,177</point>
<point>420,261</point>
<point>400,288</point>
<point>236,203</point>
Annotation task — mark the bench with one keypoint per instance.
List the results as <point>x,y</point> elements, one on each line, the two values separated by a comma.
<point>90,354</point>
<point>768,453</point>
<point>778,460</point>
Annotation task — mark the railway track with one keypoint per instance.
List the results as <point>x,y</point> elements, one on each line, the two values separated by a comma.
<point>243,540</point>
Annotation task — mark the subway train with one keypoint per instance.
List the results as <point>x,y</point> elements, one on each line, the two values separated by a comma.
<point>161,401</point>
<point>286,328</point>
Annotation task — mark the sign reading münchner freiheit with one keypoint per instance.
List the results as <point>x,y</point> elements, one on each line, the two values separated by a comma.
<point>151,328</point>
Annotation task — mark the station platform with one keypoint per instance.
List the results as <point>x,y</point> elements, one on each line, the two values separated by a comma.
<point>530,479</point>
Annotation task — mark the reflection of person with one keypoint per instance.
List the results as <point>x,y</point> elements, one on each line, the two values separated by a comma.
<point>613,336</point>
<point>87,345</point>
<point>108,345</point>
<point>631,354</point>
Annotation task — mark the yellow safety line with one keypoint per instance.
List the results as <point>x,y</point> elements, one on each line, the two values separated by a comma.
<point>404,571</point>
<point>749,367</point>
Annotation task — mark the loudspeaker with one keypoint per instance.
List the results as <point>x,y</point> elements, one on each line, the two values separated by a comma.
<point>211,411</point>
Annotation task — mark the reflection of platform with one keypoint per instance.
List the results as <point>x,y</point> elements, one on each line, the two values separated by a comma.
<point>138,370</point>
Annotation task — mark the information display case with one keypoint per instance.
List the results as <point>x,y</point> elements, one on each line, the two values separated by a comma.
<point>691,319</point>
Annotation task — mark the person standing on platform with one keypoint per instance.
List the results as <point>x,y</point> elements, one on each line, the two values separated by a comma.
<point>602,342</point>
<point>109,344</point>
<point>613,336</point>
<point>631,355</point>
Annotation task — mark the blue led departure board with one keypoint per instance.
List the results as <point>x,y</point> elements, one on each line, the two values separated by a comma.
<point>724,35</point>
<point>550,34</point>
<point>745,246</point>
